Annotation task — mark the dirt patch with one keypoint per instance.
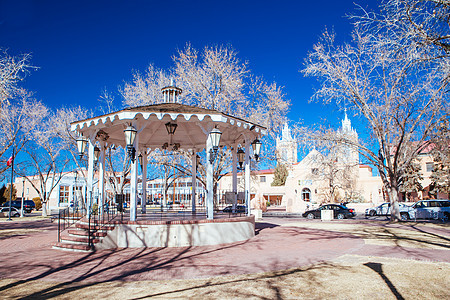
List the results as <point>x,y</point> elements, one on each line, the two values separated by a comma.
<point>348,277</point>
<point>409,236</point>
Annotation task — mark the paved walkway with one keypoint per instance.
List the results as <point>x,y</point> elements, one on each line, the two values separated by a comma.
<point>25,253</point>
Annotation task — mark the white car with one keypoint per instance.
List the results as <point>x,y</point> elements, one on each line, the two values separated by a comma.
<point>428,209</point>
<point>383,209</point>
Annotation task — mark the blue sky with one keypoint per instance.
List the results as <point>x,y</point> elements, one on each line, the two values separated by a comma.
<point>83,47</point>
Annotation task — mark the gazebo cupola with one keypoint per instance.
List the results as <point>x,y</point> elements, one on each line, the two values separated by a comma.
<point>171,92</point>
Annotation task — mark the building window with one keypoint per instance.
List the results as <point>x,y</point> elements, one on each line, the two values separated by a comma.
<point>262,179</point>
<point>306,195</point>
<point>430,167</point>
<point>315,171</point>
<point>63,193</point>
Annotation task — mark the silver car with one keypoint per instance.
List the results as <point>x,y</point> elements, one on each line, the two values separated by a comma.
<point>383,209</point>
<point>14,211</point>
<point>428,209</point>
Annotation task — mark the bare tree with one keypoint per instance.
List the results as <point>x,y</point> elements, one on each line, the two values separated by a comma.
<point>213,78</point>
<point>399,100</point>
<point>12,70</point>
<point>19,116</point>
<point>144,89</point>
<point>440,177</point>
<point>45,160</point>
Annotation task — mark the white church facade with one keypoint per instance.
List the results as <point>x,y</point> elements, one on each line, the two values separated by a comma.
<point>306,184</point>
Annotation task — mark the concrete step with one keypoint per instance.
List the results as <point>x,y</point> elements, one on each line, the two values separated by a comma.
<point>82,232</point>
<point>94,227</point>
<point>72,247</point>
<point>79,240</point>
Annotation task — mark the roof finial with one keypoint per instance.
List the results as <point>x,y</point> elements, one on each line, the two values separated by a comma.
<point>171,92</point>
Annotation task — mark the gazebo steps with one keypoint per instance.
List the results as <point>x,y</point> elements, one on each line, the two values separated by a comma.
<point>94,227</point>
<point>72,247</point>
<point>75,232</point>
<point>79,240</point>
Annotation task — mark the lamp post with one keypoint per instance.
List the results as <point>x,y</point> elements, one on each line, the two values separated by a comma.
<point>23,191</point>
<point>130,135</point>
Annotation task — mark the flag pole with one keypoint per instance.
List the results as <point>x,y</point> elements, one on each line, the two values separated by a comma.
<point>11,185</point>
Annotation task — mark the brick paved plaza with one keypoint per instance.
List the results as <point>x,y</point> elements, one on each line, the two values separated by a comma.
<point>280,245</point>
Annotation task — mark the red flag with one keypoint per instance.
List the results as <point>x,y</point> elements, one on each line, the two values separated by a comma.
<point>9,162</point>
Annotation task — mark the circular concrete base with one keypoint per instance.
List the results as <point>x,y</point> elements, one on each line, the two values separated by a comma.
<point>178,233</point>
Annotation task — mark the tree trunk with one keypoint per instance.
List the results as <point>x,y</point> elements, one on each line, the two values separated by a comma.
<point>393,197</point>
<point>44,208</point>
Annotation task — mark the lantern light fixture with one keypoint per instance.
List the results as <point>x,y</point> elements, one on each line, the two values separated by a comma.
<point>256,145</point>
<point>96,154</point>
<point>81,145</point>
<point>130,135</point>
<point>214,135</point>
<point>141,162</point>
<point>171,127</point>
<point>241,157</point>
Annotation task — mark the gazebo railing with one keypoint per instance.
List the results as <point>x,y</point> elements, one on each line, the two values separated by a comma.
<point>67,217</point>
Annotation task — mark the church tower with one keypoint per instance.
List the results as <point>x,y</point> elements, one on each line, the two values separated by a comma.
<point>286,147</point>
<point>349,153</point>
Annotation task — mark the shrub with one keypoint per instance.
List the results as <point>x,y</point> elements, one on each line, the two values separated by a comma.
<point>95,209</point>
<point>37,201</point>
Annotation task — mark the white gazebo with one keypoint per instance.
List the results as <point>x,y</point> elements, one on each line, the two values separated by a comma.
<point>169,125</point>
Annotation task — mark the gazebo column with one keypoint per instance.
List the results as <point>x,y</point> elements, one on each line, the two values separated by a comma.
<point>101,178</point>
<point>133,183</point>
<point>144,183</point>
<point>247,176</point>
<point>90,177</point>
<point>234,176</point>
<point>194,180</point>
<point>209,181</point>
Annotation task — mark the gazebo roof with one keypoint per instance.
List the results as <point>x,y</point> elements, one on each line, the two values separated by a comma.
<point>194,123</point>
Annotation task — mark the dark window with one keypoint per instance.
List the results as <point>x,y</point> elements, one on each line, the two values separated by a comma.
<point>262,179</point>
<point>430,167</point>
<point>315,171</point>
<point>306,195</point>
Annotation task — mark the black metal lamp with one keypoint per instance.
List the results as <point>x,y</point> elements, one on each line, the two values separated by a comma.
<point>241,157</point>
<point>96,154</point>
<point>141,162</point>
<point>214,135</point>
<point>130,135</point>
<point>81,145</point>
<point>171,127</point>
<point>256,145</point>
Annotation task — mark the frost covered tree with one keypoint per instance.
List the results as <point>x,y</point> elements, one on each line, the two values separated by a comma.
<point>18,118</point>
<point>440,177</point>
<point>213,78</point>
<point>12,70</point>
<point>396,88</point>
<point>19,111</point>
<point>44,163</point>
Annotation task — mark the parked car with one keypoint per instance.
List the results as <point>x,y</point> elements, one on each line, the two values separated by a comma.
<point>383,209</point>
<point>239,209</point>
<point>427,209</point>
<point>14,211</point>
<point>339,212</point>
<point>28,205</point>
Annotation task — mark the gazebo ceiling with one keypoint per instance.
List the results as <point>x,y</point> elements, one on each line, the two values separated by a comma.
<point>194,123</point>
